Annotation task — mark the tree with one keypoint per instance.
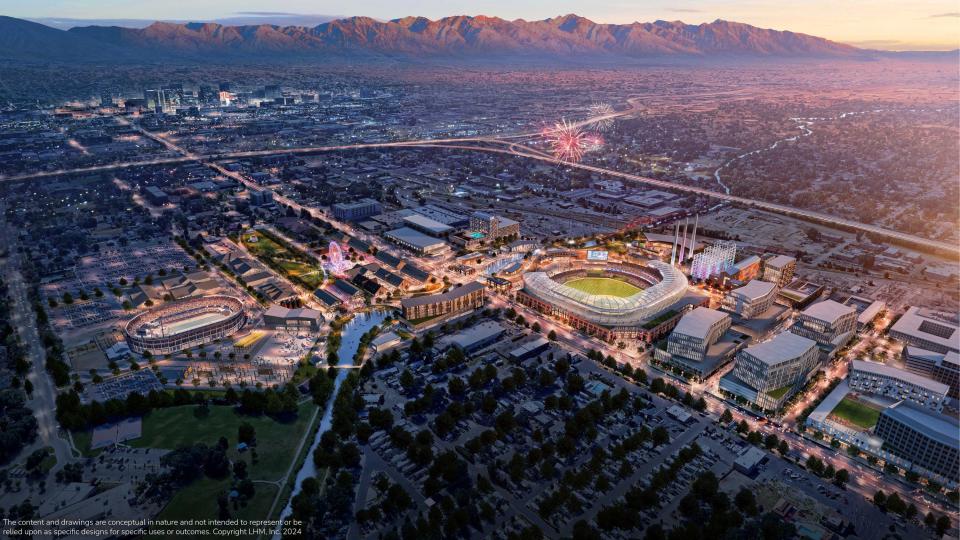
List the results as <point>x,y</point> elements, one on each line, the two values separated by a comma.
<point>841,477</point>
<point>552,336</point>
<point>943,525</point>
<point>246,433</point>
<point>746,502</point>
<point>406,379</point>
<point>880,498</point>
<point>895,504</point>
<point>726,417</point>
<point>660,436</point>
<point>783,448</point>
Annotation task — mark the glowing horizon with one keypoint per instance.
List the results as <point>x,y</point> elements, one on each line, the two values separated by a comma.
<point>881,24</point>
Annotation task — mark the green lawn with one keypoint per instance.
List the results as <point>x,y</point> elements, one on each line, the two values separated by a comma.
<point>603,286</point>
<point>856,413</point>
<point>199,501</point>
<point>276,450</point>
<point>276,441</point>
<point>779,392</point>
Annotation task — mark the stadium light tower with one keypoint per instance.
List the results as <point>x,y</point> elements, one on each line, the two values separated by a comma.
<point>693,239</point>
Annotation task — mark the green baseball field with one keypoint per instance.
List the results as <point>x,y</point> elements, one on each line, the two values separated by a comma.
<point>858,413</point>
<point>603,286</point>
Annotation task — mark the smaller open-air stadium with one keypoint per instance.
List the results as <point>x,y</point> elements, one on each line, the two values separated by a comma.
<point>184,324</point>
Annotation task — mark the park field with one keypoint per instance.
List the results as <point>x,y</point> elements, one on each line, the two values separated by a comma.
<point>603,286</point>
<point>857,413</point>
<point>277,444</point>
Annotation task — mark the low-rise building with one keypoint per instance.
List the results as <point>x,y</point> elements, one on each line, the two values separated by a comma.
<point>281,317</point>
<point>356,211</point>
<point>455,301</point>
<point>474,338</point>
<point>417,242</point>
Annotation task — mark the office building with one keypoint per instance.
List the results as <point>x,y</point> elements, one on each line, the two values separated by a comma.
<point>831,324</point>
<point>779,269</point>
<point>696,331</point>
<point>751,300</point>
<point>925,438</point>
<point>768,373</point>
<point>928,329</point>
<point>261,198</point>
<point>943,368</point>
<point>699,344</point>
<point>493,227</point>
<point>881,379</point>
<point>356,211</point>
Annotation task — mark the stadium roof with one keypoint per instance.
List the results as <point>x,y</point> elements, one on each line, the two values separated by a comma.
<point>783,347</point>
<point>698,322</point>
<point>883,370</point>
<point>828,311</point>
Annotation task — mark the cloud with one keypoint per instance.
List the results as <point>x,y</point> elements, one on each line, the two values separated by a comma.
<point>685,10</point>
<point>953,14</point>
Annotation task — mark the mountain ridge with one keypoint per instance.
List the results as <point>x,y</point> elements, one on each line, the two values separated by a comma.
<point>565,38</point>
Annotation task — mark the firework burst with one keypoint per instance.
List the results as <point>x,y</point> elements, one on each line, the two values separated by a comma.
<point>603,110</point>
<point>568,142</point>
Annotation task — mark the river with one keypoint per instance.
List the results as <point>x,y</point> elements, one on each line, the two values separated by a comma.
<point>349,343</point>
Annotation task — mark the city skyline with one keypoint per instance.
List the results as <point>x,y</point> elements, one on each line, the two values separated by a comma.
<point>886,25</point>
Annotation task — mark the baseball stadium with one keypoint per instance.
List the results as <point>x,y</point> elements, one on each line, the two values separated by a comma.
<point>609,299</point>
<point>184,324</point>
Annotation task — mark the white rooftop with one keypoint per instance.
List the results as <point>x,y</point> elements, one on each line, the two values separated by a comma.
<point>883,370</point>
<point>828,311</point>
<point>920,323</point>
<point>939,427</point>
<point>755,289</point>
<point>780,261</point>
<point>783,347</point>
<point>698,322</point>
<point>427,223</point>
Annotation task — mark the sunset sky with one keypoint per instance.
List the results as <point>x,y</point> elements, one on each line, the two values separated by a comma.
<point>882,24</point>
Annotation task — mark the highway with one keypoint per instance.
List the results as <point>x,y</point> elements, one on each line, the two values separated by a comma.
<point>506,144</point>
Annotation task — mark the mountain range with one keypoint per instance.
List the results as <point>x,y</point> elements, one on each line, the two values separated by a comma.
<point>565,38</point>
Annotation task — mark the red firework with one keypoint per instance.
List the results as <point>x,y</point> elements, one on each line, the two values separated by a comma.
<point>568,142</point>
